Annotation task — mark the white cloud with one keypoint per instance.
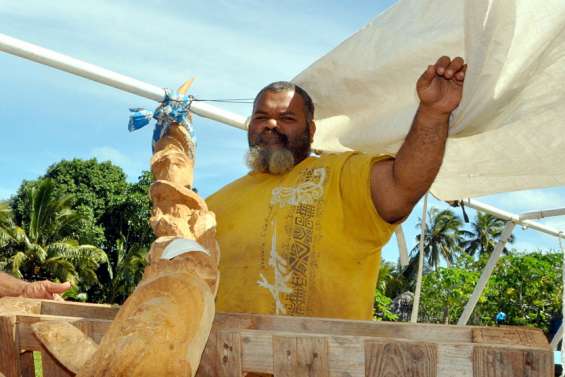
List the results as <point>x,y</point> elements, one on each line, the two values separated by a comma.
<point>131,167</point>
<point>111,154</point>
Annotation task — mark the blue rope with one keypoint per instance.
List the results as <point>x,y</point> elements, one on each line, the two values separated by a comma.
<point>175,108</point>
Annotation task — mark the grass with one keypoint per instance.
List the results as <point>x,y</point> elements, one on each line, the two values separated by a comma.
<point>37,364</point>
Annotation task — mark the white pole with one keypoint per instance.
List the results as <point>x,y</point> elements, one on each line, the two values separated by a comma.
<point>487,272</point>
<point>418,290</point>
<point>536,215</point>
<point>402,248</point>
<point>92,72</point>
<point>557,338</point>
<point>517,218</point>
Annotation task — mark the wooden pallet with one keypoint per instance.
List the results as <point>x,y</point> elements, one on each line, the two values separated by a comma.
<point>294,346</point>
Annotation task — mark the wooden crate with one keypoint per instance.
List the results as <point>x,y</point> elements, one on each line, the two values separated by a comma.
<point>294,346</point>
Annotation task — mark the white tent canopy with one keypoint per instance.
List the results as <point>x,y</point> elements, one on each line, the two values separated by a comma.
<point>508,133</point>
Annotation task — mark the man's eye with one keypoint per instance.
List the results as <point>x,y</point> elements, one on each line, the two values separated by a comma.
<point>259,117</point>
<point>288,119</point>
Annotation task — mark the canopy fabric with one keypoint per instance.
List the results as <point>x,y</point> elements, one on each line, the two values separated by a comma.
<point>507,134</point>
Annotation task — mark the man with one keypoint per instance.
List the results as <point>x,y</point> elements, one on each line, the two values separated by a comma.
<point>302,235</point>
<point>10,286</point>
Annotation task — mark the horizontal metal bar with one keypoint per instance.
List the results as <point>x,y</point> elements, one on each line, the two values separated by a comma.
<point>542,214</point>
<point>508,216</point>
<point>92,72</point>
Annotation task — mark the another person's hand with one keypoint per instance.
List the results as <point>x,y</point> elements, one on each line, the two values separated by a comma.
<point>45,289</point>
<point>440,87</point>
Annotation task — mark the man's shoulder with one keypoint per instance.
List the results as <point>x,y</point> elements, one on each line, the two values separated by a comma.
<point>225,190</point>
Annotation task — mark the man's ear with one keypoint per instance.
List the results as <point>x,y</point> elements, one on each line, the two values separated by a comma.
<point>312,130</point>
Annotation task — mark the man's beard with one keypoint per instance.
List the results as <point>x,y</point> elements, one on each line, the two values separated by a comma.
<point>270,160</point>
<point>277,160</point>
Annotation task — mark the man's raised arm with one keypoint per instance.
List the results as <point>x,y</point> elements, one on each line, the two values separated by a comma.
<point>397,185</point>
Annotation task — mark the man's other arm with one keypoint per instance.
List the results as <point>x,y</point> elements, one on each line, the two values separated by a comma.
<point>397,185</point>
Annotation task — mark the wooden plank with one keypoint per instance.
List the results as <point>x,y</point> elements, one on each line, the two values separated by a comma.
<point>533,338</point>
<point>19,305</point>
<point>498,362</point>
<point>455,360</point>
<point>284,356</point>
<point>9,347</point>
<point>312,356</point>
<point>257,352</point>
<point>27,364</point>
<point>346,354</point>
<point>77,309</point>
<point>209,362</point>
<point>418,332</point>
<point>400,359</point>
<point>229,352</point>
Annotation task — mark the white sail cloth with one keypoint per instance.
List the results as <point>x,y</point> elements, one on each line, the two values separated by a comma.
<point>507,134</point>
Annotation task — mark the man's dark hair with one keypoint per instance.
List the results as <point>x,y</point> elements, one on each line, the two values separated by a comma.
<point>287,86</point>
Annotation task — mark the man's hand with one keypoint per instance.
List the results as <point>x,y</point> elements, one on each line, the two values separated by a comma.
<point>441,86</point>
<point>44,289</point>
<point>397,185</point>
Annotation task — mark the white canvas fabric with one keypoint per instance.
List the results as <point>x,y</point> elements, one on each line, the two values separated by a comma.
<point>507,134</point>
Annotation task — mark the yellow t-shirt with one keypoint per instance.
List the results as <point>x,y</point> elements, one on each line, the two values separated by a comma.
<point>305,243</point>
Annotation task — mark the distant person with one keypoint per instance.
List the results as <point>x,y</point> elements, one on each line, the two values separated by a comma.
<point>45,289</point>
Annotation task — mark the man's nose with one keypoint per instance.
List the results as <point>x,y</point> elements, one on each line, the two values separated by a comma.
<point>271,123</point>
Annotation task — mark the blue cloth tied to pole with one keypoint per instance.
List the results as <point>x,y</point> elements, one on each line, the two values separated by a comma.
<point>175,108</point>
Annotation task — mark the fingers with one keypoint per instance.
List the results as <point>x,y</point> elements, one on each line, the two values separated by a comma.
<point>426,79</point>
<point>450,69</point>
<point>461,74</point>
<point>57,297</point>
<point>56,287</point>
<point>442,64</point>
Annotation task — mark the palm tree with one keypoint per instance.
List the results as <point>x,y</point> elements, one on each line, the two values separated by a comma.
<point>443,239</point>
<point>128,266</point>
<point>486,231</point>
<point>43,248</point>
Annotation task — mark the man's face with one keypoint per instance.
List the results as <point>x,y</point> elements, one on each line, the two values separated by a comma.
<point>279,121</point>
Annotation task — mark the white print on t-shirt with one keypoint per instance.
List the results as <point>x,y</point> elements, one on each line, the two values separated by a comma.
<point>304,193</point>
<point>307,192</point>
<point>282,276</point>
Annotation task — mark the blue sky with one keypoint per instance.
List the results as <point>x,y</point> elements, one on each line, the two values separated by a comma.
<point>233,48</point>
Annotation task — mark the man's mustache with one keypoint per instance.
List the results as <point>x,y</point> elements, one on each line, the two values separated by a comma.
<point>261,137</point>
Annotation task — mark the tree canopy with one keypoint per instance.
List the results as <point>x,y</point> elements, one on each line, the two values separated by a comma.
<point>108,213</point>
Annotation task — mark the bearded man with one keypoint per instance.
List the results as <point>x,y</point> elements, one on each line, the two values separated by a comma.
<point>302,235</point>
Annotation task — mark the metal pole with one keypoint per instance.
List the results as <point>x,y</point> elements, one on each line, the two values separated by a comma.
<point>487,272</point>
<point>418,290</point>
<point>402,248</point>
<point>536,215</point>
<point>557,338</point>
<point>92,72</point>
<point>504,215</point>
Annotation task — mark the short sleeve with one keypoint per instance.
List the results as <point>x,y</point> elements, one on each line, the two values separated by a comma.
<point>361,219</point>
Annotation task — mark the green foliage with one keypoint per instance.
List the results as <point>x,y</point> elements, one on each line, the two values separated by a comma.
<point>42,249</point>
<point>444,237</point>
<point>527,287</point>
<point>382,308</point>
<point>444,294</point>
<point>110,214</point>
<point>486,231</point>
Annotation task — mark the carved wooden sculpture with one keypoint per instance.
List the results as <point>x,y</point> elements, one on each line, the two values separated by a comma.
<point>164,325</point>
